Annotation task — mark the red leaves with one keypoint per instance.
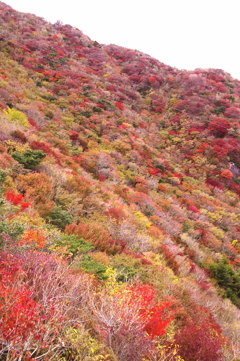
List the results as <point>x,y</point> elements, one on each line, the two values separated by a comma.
<point>73,135</point>
<point>15,199</point>
<point>194,209</point>
<point>102,177</point>
<point>158,320</point>
<point>219,127</point>
<point>24,205</point>
<point>119,105</point>
<point>155,316</point>
<point>232,112</point>
<point>152,79</point>
<point>199,342</point>
<point>19,313</point>
<point>117,213</point>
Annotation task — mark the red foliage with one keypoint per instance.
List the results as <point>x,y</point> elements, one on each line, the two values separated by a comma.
<point>219,127</point>
<point>194,209</point>
<point>73,135</point>
<point>199,342</point>
<point>171,261</point>
<point>111,87</point>
<point>102,177</point>
<point>214,183</point>
<point>45,147</point>
<point>182,105</point>
<point>153,315</point>
<point>152,79</point>
<point>24,205</point>
<point>33,123</point>
<point>232,112</point>
<point>14,198</point>
<point>222,148</point>
<point>19,313</point>
<point>119,105</point>
<point>117,213</point>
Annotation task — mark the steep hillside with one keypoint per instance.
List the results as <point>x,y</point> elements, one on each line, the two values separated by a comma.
<point>119,202</point>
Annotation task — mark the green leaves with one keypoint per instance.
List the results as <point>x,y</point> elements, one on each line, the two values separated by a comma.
<point>75,244</point>
<point>30,159</point>
<point>228,279</point>
<point>59,218</point>
<point>91,266</point>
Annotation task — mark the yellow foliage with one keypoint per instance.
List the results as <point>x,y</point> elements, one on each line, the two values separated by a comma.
<point>142,220</point>
<point>173,102</point>
<point>217,232</point>
<point>214,217</point>
<point>15,146</point>
<point>16,116</point>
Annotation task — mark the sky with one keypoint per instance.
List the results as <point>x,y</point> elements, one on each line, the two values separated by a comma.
<point>186,34</point>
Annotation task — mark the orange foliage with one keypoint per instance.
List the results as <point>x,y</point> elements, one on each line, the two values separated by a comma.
<point>95,234</point>
<point>37,189</point>
<point>226,173</point>
<point>33,237</point>
<point>78,184</point>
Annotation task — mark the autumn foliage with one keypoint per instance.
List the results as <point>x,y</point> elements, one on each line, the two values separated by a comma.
<point>119,201</point>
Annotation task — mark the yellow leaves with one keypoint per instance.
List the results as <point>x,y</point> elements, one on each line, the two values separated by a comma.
<point>15,146</point>
<point>61,251</point>
<point>86,346</point>
<point>142,220</point>
<point>16,116</point>
<point>234,242</point>
<point>217,232</point>
<point>176,140</point>
<point>214,217</point>
<point>173,102</point>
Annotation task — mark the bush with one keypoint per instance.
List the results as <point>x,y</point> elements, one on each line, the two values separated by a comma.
<point>59,218</point>
<point>10,232</point>
<point>91,266</point>
<point>198,343</point>
<point>75,245</point>
<point>3,176</point>
<point>30,159</point>
<point>228,279</point>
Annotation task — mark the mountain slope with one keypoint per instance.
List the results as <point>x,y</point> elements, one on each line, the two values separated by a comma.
<point>120,185</point>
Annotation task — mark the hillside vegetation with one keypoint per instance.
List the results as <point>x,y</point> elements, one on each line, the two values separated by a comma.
<point>119,202</point>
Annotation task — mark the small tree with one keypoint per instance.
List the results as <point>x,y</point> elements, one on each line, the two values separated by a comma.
<point>228,279</point>
<point>198,343</point>
<point>30,159</point>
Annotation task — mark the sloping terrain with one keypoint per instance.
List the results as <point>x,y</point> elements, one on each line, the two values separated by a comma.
<point>119,201</point>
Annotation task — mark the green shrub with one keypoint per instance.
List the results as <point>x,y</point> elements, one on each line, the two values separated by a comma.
<point>59,218</point>
<point>91,266</point>
<point>30,159</point>
<point>3,176</point>
<point>228,279</point>
<point>75,244</point>
<point>13,230</point>
<point>86,113</point>
<point>97,109</point>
